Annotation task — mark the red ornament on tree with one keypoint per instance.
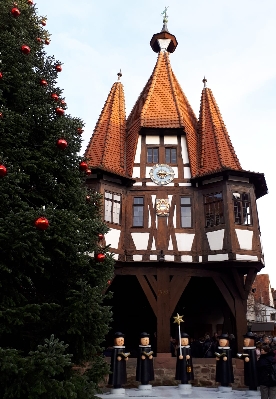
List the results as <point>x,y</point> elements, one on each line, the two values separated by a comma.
<point>79,130</point>
<point>1,115</point>
<point>43,82</point>
<point>54,96</point>
<point>42,223</point>
<point>60,111</point>
<point>88,172</point>
<point>43,22</point>
<point>3,171</point>
<point>100,257</point>
<point>83,166</point>
<point>88,198</point>
<point>30,2</point>
<point>15,12</point>
<point>47,41</point>
<point>100,236</point>
<point>25,49</point>
<point>108,282</point>
<point>63,102</point>
<point>38,39</point>
<point>58,68</point>
<point>62,144</point>
<point>1,75</point>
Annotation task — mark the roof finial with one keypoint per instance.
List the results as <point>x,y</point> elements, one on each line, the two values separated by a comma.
<point>119,74</point>
<point>165,20</point>
<point>204,82</point>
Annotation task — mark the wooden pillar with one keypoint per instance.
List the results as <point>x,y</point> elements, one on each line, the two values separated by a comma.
<point>163,310</point>
<point>241,322</point>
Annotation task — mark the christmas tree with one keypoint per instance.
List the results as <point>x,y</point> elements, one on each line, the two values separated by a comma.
<point>54,266</point>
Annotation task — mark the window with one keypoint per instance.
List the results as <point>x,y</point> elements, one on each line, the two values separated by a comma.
<point>213,207</point>
<point>272,316</point>
<point>186,212</point>
<point>138,211</point>
<point>242,208</point>
<point>112,207</point>
<point>170,154</point>
<point>152,155</point>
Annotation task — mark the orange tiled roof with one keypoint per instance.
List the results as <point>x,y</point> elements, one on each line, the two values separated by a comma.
<point>162,104</point>
<point>106,149</point>
<point>216,152</point>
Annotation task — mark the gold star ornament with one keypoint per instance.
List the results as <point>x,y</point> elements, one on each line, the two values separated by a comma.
<point>178,319</point>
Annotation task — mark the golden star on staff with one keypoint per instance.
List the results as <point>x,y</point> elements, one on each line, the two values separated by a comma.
<point>178,319</point>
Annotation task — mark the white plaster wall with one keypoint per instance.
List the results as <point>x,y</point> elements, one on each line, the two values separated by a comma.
<point>138,150</point>
<point>170,247</point>
<point>152,140</point>
<point>200,258</point>
<point>148,169</point>
<point>112,238</point>
<point>184,241</point>
<point>184,149</point>
<point>245,238</point>
<point>174,216</point>
<point>137,258</point>
<point>170,139</point>
<point>116,256</point>
<point>136,172</point>
<point>153,198</point>
<point>218,257</point>
<point>186,258</point>
<point>153,257</point>
<point>153,247</point>
<point>139,183</point>
<point>150,183</point>
<point>170,199</point>
<point>149,223</point>
<point>247,257</point>
<point>187,172</point>
<point>175,170</point>
<point>215,239</point>
<point>184,184</point>
<point>140,240</point>
<point>169,257</point>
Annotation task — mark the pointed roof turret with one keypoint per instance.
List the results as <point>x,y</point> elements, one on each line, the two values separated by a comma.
<point>216,152</point>
<point>106,149</point>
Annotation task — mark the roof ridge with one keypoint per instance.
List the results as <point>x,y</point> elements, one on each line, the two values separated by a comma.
<point>170,74</point>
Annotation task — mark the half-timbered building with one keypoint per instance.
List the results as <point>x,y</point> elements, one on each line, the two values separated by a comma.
<point>181,210</point>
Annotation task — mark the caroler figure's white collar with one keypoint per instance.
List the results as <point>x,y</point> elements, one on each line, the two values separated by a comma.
<point>144,346</point>
<point>118,347</point>
<point>224,347</point>
<point>249,347</point>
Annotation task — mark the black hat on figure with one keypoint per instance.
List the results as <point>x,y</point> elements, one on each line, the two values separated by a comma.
<point>224,336</point>
<point>144,335</point>
<point>119,334</point>
<point>185,335</point>
<point>250,335</point>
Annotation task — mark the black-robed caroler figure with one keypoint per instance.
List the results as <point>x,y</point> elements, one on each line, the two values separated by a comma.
<point>250,361</point>
<point>224,368</point>
<point>144,369</point>
<point>118,374</point>
<point>184,364</point>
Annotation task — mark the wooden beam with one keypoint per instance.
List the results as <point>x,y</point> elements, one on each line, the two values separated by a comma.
<point>177,287</point>
<point>153,282</point>
<point>163,310</point>
<point>250,277</point>
<point>150,297</point>
<point>225,293</point>
<point>239,283</point>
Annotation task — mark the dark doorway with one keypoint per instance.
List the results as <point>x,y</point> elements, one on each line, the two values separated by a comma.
<point>132,314</point>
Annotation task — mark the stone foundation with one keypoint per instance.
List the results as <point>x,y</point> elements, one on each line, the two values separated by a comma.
<point>164,371</point>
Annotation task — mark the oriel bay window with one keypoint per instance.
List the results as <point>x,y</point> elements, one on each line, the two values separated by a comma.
<point>242,208</point>
<point>112,207</point>
<point>138,212</point>
<point>152,155</point>
<point>186,212</point>
<point>213,208</point>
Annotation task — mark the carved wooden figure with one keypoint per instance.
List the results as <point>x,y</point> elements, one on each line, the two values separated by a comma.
<point>224,368</point>
<point>184,364</point>
<point>144,369</point>
<point>118,375</point>
<point>250,361</point>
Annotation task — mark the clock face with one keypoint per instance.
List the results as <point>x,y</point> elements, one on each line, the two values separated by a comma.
<point>161,174</point>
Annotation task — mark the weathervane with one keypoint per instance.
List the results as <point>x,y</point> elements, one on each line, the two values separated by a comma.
<point>119,74</point>
<point>204,82</point>
<point>165,19</point>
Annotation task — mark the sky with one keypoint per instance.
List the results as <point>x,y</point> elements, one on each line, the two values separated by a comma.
<point>232,43</point>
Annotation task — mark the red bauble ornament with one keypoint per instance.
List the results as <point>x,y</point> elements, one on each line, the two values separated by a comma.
<point>43,22</point>
<point>108,282</point>
<point>38,39</point>
<point>63,102</point>
<point>43,82</point>
<point>1,115</point>
<point>79,130</point>
<point>61,143</point>
<point>60,111</point>
<point>47,41</point>
<point>54,96</point>
<point>88,198</point>
<point>15,12</point>
<point>58,68</point>
<point>25,49</point>
<point>1,75</point>
<point>42,223</point>
<point>30,2</point>
<point>3,170</point>
<point>83,166</point>
<point>100,257</point>
<point>88,172</point>
<point>100,236</point>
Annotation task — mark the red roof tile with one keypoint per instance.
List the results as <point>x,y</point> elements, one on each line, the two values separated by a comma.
<point>216,152</point>
<point>106,149</point>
